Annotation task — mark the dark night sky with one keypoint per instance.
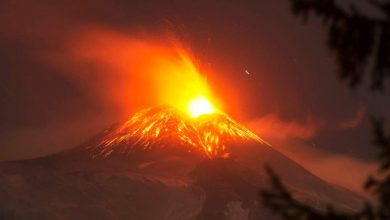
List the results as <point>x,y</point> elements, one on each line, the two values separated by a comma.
<point>292,87</point>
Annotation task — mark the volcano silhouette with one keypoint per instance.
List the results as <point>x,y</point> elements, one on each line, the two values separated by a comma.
<point>164,172</point>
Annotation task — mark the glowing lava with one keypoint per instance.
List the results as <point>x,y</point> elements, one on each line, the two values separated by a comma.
<point>166,126</point>
<point>200,106</point>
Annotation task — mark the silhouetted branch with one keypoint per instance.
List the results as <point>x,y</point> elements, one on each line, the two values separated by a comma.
<point>380,186</point>
<point>281,202</point>
<point>354,38</point>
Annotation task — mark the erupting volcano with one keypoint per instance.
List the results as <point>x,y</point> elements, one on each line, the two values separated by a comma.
<point>202,128</point>
<point>187,114</point>
<point>184,159</point>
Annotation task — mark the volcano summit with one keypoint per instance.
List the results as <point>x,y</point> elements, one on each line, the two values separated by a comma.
<point>161,126</point>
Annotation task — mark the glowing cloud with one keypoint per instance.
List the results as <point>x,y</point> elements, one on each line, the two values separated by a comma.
<point>132,72</point>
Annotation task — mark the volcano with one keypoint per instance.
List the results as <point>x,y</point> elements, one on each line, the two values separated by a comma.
<point>160,164</point>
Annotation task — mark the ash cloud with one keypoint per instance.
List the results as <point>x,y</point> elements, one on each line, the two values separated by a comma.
<point>274,128</point>
<point>57,72</point>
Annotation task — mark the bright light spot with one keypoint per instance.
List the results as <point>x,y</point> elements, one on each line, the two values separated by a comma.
<point>200,106</point>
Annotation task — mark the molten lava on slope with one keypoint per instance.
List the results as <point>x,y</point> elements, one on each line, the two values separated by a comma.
<point>162,125</point>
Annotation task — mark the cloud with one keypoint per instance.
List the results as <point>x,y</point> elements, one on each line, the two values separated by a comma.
<point>130,70</point>
<point>273,128</point>
<point>296,139</point>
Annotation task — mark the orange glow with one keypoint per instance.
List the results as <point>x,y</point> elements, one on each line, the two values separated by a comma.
<point>135,72</point>
<point>200,106</point>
